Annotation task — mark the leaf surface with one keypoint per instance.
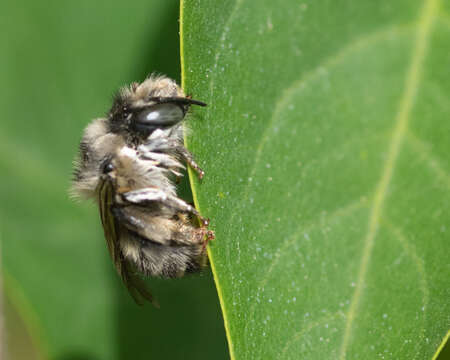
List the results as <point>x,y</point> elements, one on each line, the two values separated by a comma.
<point>325,146</point>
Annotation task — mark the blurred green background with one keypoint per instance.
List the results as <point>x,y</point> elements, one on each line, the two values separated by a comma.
<point>60,64</point>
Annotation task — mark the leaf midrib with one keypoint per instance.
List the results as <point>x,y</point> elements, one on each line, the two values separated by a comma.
<point>400,129</point>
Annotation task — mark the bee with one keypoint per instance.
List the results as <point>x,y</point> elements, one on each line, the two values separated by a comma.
<point>128,162</point>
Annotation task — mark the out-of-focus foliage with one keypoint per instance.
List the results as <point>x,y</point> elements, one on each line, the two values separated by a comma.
<point>60,64</point>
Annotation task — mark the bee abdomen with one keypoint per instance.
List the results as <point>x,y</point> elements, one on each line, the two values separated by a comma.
<point>160,260</point>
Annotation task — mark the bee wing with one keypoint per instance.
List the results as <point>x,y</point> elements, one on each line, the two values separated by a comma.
<point>110,226</point>
<point>134,284</point>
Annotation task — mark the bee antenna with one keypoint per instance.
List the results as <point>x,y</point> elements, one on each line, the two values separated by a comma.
<point>177,99</point>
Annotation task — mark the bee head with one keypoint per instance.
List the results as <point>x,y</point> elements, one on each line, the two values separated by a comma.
<point>156,103</point>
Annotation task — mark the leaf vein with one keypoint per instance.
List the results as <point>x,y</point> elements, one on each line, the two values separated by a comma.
<point>335,59</point>
<point>423,150</point>
<point>400,129</point>
<point>309,327</point>
<point>411,252</point>
<point>337,214</point>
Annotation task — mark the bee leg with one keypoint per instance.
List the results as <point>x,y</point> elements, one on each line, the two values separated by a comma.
<point>143,196</point>
<point>146,226</point>
<point>189,158</point>
<point>131,222</point>
<point>209,236</point>
<point>187,234</point>
<point>202,234</point>
<point>146,195</point>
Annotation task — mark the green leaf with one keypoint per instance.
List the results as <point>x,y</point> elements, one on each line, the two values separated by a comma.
<point>61,63</point>
<point>325,146</point>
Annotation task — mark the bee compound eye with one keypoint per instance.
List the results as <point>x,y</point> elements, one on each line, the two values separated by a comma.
<point>108,167</point>
<point>161,115</point>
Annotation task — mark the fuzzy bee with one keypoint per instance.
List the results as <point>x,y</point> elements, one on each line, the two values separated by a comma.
<point>127,162</point>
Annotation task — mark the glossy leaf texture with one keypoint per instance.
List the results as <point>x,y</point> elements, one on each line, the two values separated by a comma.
<point>325,145</point>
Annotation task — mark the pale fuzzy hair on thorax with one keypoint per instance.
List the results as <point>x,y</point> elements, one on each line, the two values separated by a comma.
<point>153,86</point>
